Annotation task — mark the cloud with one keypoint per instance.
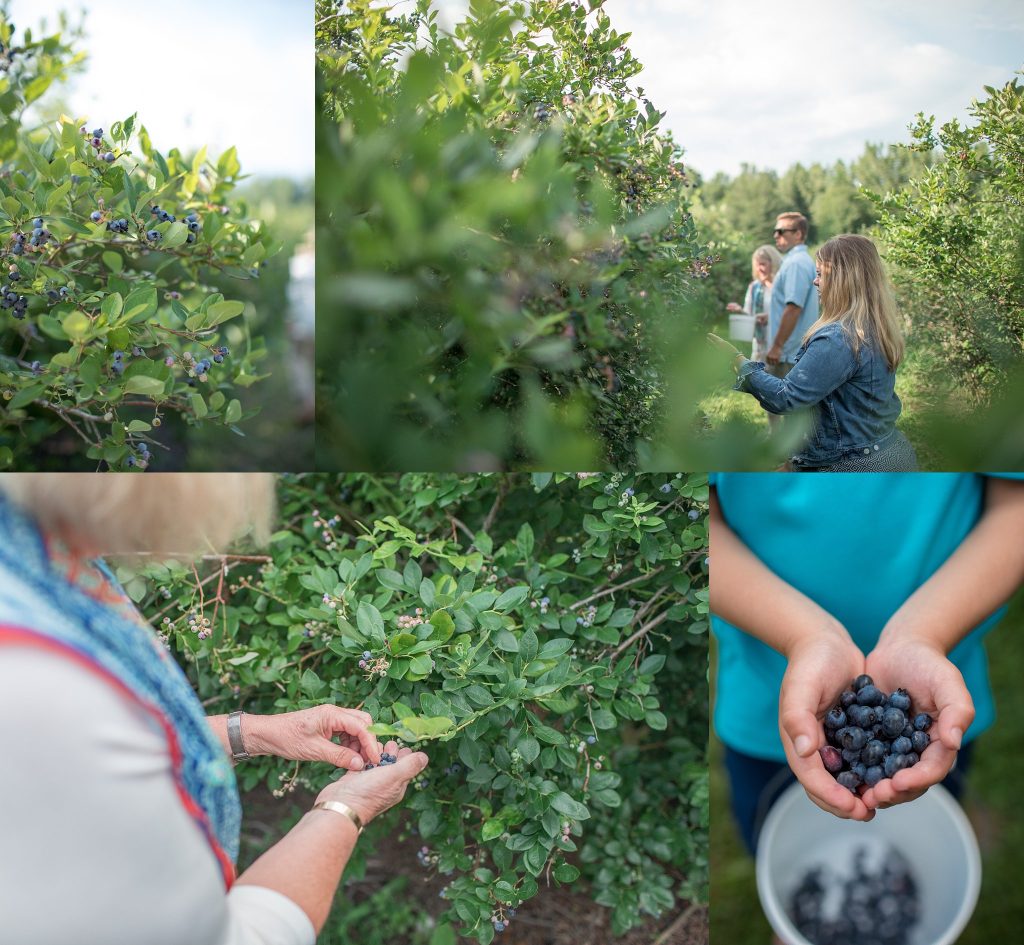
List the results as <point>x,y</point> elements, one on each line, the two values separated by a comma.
<point>218,74</point>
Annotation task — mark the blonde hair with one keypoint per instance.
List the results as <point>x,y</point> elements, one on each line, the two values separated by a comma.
<point>771,255</point>
<point>855,292</point>
<point>798,220</point>
<point>180,515</point>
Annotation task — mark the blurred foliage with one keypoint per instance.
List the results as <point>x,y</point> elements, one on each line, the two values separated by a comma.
<point>957,235</point>
<point>505,249</point>
<point>109,324</point>
<point>545,638</point>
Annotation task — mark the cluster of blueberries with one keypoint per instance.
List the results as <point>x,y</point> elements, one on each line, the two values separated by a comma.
<point>501,923</point>
<point>385,759</point>
<point>879,906</point>
<point>872,735</point>
<point>10,298</point>
<point>141,460</point>
<point>120,225</point>
<point>96,140</point>
<point>192,221</point>
<point>38,238</point>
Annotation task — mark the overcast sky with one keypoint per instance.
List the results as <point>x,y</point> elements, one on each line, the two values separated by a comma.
<point>810,80</point>
<point>214,72</point>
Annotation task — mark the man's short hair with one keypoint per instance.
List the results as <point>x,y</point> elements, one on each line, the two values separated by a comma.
<point>796,220</point>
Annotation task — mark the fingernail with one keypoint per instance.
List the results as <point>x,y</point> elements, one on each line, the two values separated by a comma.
<point>802,744</point>
<point>957,735</point>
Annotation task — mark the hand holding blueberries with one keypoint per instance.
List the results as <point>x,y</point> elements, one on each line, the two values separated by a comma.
<point>939,691</point>
<point>308,735</point>
<point>370,793</point>
<point>820,665</point>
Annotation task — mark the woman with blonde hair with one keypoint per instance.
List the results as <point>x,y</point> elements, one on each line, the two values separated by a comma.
<point>119,809</point>
<point>764,266</point>
<point>845,371</point>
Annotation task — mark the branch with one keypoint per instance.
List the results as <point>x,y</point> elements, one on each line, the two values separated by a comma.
<point>616,587</point>
<point>642,632</point>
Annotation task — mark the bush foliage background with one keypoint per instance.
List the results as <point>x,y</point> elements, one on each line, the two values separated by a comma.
<point>110,320</point>
<point>504,237</point>
<point>543,637</point>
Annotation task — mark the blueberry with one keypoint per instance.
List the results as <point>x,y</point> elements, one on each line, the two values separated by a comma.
<point>861,715</point>
<point>894,763</point>
<point>873,752</point>
<point>367,654</point>
<point>873,775</point>
<point>851,756</point>
<point>97,132</point>
<point>109,157</point>
<point>666,488</point>
<point>861,681</point>
<point>901,746</point>
<point>847,698</point>
<point>900,700</point>
<point>835,718</point>
<point>909,730</point>
<point>37,223</point>
<point>912,758</point>
<point>922,722</point>
<point>96,216</point>
<point>860,769</point>
<point>870,695</point>
<point>499,926</point>
<point>919,741</point>
<point>893,721</point>
<point>152,235</point>
<point>591,739</point>
<point>848,780</point>
<point>853,738</point>
<point>96,142</point>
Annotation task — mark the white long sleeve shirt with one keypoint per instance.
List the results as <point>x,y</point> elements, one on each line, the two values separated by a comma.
<point>96,847</point>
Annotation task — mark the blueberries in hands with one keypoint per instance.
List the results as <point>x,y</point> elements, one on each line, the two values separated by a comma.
<point>872,735</point>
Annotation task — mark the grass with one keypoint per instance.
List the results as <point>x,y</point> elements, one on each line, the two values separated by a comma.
<point>992,802</point>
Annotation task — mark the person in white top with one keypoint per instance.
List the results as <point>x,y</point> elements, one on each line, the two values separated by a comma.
<point>118,811</point>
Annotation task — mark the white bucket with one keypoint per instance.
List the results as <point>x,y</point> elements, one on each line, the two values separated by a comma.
<point>933,833</point>
<point>741,326</point>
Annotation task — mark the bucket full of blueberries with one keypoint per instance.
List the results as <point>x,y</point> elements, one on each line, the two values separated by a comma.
<point>910,876</point>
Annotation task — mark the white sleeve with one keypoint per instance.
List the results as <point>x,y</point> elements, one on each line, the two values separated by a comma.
<point>97,847</point>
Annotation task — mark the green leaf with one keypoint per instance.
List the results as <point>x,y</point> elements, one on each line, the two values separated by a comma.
<point>512,597</point>
<point>26,395</point>
<point>77,326</point>
<point>198,405</point>
<point>506,640</point>
<point>233,412</point>
<point>492,829</point>
<point>145,385</point>
<point>566,873</point>
<point>140,305</point>
<point>112,261</point>
<point>569,806</point>
<point>529,749</point>
<point>535,858</point>
<point>112,305</point>
<point>444,626</point>
<point>221,311</point>
<point>175,234</point>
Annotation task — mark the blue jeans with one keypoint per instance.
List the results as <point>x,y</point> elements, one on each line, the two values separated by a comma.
<point>756,784</point>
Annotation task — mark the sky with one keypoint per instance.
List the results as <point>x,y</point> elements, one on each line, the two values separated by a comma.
<point>810,80</point>
<point>213,72</point>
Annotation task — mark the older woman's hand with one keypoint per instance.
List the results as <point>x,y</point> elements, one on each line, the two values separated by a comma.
<point>308,735</point>
<point>370,793</point>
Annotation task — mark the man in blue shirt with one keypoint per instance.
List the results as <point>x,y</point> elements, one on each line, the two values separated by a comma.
<point>794,306</point>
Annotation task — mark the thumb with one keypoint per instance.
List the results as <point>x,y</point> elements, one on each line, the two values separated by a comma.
<point>802,729</point>
<point>408,766</point>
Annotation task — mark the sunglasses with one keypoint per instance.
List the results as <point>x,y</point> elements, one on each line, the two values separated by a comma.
<point>777,231</point>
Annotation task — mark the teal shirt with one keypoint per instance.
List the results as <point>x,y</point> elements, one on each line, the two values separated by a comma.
<point>794,285</point>
<point>857,544</point>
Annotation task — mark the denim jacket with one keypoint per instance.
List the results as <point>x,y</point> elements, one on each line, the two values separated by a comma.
<point>853,396</point>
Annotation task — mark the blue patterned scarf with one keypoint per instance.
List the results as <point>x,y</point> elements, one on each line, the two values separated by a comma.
<point>89,614</point>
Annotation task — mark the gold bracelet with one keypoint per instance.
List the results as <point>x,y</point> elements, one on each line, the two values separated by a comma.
<point>341,808</point>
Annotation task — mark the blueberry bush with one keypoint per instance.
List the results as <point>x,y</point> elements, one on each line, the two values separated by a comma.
<point>955,233</point>
<point>107,324</point>
<point>543,637</point>
<point>506,250</point>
